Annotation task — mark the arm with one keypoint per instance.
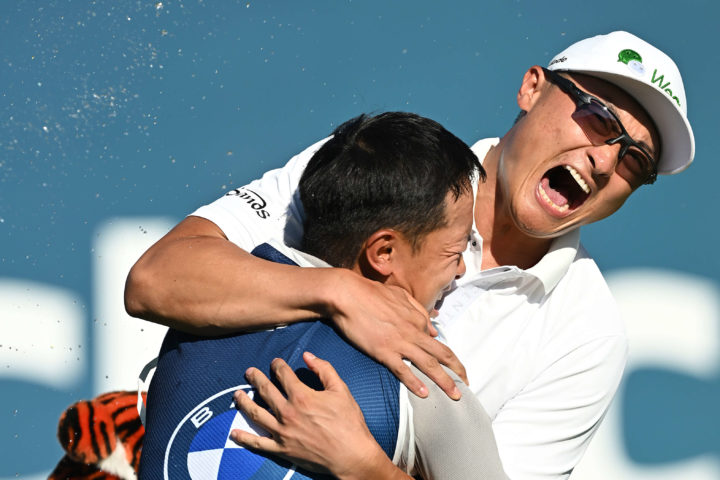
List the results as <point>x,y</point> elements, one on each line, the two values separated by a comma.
<point>195,280</point>
<point>305,429</point>
<point>453,440</point>
<point>201,279</point>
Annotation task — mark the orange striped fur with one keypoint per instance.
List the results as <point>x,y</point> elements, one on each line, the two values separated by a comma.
<point>90,430</point>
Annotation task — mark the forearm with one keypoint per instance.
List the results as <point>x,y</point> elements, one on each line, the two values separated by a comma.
<point>195,280</point>
<point>453,439</point>
<point>381,469</point>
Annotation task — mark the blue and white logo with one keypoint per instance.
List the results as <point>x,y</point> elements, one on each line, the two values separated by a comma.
<point>201,448</point>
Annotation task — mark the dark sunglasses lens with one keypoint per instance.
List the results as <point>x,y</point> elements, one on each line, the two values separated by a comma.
<point>639,164</point>
<point>597,122</point>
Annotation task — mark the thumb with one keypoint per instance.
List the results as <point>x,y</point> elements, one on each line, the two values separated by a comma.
<point>423,318</point>
<point>431,330</point>
<point>325,371</point>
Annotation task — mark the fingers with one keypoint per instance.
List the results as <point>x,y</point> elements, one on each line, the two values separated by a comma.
<point>445,356</point>
<point>325,372</point>
<point>428,355</point>
<point>436,353</point>
<point>454,364</point>
<point>270,422</point>
<point>430,367</point>
<point>250,440</point>
<point>313,428</point>
<point>258,415</point>
<point>265,388</point>
<point>415,304</point>
<point>417,312</point>
<point>295,389</point>
<point>431,330</point>
<point>403,373</point>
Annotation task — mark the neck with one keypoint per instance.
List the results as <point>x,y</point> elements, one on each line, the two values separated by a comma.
<point>503,242</point>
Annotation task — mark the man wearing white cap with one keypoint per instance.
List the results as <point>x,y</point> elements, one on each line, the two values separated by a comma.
<point>532,320</point>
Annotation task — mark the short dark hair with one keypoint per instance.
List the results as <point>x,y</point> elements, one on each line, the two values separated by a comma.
<point>393,170</point>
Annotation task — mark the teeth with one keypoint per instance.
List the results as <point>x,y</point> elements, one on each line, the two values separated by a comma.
<point>578,178</point>
<point>545,197</point>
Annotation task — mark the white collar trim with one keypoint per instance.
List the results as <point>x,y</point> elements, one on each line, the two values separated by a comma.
<point>555,263</point>
<point>301,258</point>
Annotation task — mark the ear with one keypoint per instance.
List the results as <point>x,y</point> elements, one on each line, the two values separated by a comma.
<point>532,84</point>
<point>379,254</point>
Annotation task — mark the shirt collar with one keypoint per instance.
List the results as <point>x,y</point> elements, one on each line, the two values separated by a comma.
<point>301,258</point>
<point>563,250</point>
<point>556,262</point>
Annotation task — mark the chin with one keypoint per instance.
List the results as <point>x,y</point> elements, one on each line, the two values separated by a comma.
<point>535,217</point>
<point>548,229</point>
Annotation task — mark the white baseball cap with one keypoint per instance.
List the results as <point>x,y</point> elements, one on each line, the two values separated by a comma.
<point>650,77</point>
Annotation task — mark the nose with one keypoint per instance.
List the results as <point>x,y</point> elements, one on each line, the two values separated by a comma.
<point>604,159</point>
<point>460,269</point>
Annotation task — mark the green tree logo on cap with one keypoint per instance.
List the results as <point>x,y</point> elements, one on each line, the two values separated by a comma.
<point>633,60</point>
<point>626,55</point>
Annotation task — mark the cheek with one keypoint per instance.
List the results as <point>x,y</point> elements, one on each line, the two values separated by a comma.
<point>616,194</point>
<point>524,161</point>
<point>449,274</point>
<point>543,130</point>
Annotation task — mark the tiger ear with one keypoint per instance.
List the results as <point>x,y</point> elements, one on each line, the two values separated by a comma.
<point>88,434</point>
<point>80,427</point>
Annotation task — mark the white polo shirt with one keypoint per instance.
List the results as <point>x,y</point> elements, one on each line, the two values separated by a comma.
<point>544,348</point>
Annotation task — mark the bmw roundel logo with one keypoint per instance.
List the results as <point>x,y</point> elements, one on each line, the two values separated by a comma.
<point>201,448</point>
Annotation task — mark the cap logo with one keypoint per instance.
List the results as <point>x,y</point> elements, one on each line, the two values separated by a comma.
<point>633,60</point>
<point>664,87</point>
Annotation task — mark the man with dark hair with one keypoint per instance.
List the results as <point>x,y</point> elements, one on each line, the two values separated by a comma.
<point>533,319</point>
<point>393,169</point>
<point>367,193</point>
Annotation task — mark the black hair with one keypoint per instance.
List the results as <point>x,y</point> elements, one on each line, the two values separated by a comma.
<point>393,170</point>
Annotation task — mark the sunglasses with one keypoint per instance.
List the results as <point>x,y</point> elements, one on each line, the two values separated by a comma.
<point>602,127</point>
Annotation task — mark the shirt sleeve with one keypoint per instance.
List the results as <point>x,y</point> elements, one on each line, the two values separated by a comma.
<point>453,439</point>
<point>544,430</point>
<point>268,208</point>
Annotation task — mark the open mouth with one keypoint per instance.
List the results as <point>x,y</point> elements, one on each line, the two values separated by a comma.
<point>442,296</point>
<point>563,189</point>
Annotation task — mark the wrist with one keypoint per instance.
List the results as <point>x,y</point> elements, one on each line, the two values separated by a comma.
<point>330,292</point>
<point>377,466</point>
<point>308,293</point>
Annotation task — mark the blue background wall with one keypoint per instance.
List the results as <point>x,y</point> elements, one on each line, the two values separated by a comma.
<point>112,109</point>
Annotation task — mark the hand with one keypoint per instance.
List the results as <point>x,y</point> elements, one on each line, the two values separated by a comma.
<point>389,325</point>
<point>313,428</point>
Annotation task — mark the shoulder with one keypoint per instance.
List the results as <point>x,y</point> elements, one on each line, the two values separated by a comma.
<point>482,146</point>
<point>266,208</point>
